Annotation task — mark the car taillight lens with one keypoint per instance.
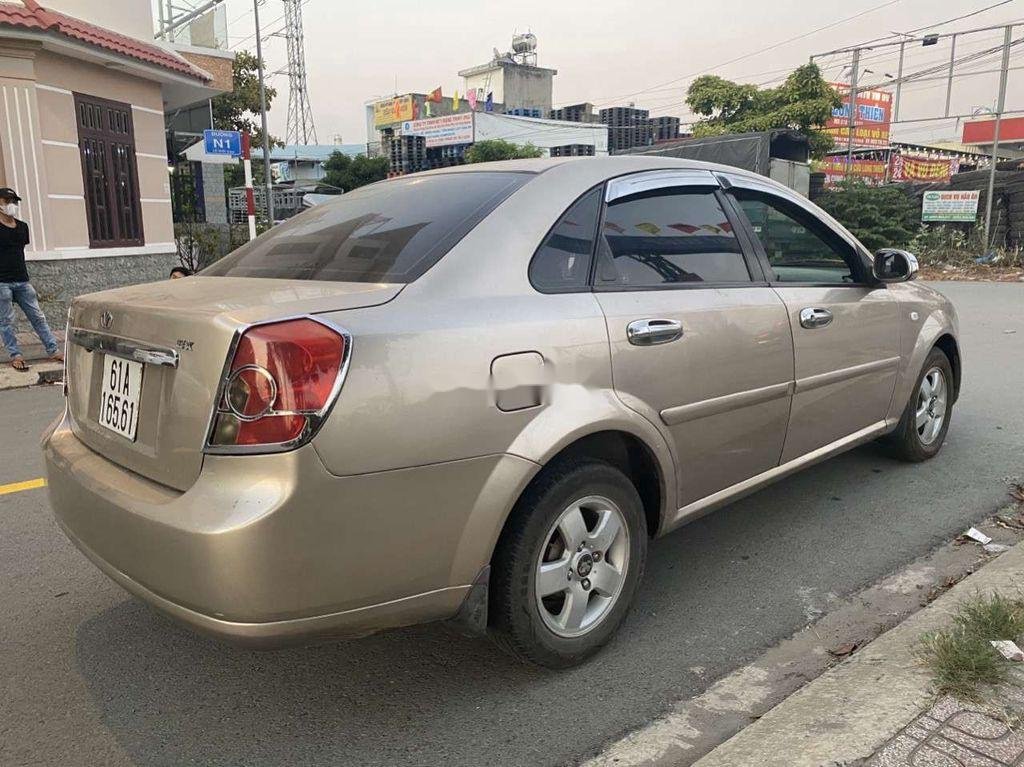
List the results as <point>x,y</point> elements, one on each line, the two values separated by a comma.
<point>279,385</point>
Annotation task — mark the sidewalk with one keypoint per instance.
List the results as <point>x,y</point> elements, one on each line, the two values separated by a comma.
<point>878,708</point>
<point>43,371</point>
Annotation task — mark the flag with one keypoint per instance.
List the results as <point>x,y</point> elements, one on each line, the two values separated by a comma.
<point>489,104</point>
<point>471,98</point>
<point>648,227</point>
<point>455,102</point>
<point>435,95</point>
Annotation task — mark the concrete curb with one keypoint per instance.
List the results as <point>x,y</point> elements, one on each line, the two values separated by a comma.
<point>849,712</point>
<point>41,372</point>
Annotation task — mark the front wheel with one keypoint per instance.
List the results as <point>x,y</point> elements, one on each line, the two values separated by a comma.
<point>925,421</point>
<point>568,564</point>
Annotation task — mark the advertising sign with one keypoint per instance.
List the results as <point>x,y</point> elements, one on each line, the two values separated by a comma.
<point>834,168</point>
<point>871,119</point>
<point>391,111</point>
<point>227,142</point>
<point>904,168</point>
<point>442,131</point>
<point>950,206</point>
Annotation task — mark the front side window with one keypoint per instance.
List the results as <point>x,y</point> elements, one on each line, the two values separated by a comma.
<point>669,237</point>
<point>562,263</point>
<point>799,248</point>
<point>391,231</point>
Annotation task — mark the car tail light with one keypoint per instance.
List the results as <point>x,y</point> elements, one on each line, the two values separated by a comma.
<point>280,383</point>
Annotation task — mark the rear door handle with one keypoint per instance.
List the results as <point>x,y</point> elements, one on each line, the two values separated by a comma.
<point>653,332</point>
<point>813,317</point>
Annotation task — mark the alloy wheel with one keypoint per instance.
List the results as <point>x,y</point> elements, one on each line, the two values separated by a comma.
<point>930,413</point>
<point>582,566</point>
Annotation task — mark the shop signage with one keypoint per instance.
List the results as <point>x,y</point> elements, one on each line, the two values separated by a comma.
<point>871,119</point>
<point>442,131</point>
<point>909,168</point>
<point>950,206</point>
<point>391,111</point>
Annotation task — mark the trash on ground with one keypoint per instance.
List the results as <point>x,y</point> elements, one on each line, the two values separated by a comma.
<point>1008,649</point>
<point>976,535</point>
<point>843,650</point>
<point>995,548</point>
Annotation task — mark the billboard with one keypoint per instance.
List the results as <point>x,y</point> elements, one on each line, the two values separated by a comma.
<point>863,169</point>
<point>871,119</point>
<point>442,131</point>
<point>950,206</point>
<point>391,111</point>
<point>908,168</point>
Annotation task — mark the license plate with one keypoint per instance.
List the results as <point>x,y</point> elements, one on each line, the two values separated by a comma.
<point>119,397</point>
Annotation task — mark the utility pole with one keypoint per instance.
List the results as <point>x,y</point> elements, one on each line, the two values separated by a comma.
<point>853,112</point>
<point>1000,104</point>
<point>899,84</point>
<point>267,180</point>
<point>949,78</point>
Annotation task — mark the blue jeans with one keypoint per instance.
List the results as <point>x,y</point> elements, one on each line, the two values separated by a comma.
<point>24,295</point>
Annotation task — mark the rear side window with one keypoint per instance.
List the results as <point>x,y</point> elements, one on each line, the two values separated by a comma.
<point>562,263</point>
<point>391,231</point>
<point>669,236</point>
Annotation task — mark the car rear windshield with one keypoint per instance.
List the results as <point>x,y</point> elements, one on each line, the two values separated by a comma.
<point>392,231</point>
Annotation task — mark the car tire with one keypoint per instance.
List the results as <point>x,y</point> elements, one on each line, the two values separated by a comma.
<point>919,436</point>
<point>534,553</point>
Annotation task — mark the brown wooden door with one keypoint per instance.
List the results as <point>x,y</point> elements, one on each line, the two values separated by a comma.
<point>106,141</point>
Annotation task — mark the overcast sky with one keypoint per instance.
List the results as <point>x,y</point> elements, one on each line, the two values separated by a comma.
<point>611,53</point>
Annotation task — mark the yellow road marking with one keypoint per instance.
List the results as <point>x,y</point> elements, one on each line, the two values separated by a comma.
<point>17,487</point>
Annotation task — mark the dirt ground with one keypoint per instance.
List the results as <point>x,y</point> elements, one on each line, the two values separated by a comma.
<point>973,273</point>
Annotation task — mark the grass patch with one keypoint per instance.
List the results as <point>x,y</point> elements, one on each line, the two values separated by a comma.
<point>961,658</point>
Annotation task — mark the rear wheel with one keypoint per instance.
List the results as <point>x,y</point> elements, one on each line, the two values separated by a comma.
<point>568,563</point>
<point>925,421</point>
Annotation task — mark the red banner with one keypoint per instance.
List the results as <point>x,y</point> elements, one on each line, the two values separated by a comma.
<point>871,121</point>
<point>908,168</point>
<point>834,168</point>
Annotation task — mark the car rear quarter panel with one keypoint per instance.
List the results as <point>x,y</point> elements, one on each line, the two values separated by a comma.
<point>935,317</point>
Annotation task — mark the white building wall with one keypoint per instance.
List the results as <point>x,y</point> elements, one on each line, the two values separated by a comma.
<point>540,133</point>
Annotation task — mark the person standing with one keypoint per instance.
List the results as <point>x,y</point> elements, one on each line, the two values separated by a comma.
<point>15,287</point>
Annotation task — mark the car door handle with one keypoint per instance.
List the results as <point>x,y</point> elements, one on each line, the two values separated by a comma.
<point>653,332</point>
<point>813,317</point>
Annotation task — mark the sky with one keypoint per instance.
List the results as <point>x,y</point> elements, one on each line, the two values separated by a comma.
<point>613,53</point>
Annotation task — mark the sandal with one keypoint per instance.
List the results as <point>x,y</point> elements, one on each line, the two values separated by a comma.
<point>57,357</point>
<point>18,363</point>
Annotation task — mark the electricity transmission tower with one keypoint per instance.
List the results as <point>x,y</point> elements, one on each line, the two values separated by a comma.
<point>300,128</point>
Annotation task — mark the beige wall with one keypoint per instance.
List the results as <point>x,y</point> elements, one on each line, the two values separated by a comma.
<point>129,17</point>
<point>39,147</point>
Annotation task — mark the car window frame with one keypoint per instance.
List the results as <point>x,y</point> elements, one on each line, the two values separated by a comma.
<point>863,276</point>
<point>588,284</point>
<point>623,187</point>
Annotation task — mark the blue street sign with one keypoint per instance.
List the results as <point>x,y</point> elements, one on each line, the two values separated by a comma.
<point>227,142</point>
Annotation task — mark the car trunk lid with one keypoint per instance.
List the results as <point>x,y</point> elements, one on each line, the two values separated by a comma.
<point>181,330</point>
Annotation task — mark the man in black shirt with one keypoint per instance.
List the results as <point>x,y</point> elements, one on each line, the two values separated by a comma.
<point>14,285</point>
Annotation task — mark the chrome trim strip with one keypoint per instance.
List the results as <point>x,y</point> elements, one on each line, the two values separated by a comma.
<point>129,349</point>
<point>705,505</point>
<point>716,405</point>
<point>314,419</point>
<point>835,376</point>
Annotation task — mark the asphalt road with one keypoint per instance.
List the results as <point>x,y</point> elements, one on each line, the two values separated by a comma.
<point>90,676</point>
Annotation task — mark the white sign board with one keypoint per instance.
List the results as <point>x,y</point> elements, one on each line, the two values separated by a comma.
<point>442,131</point>
<point>950,206</point>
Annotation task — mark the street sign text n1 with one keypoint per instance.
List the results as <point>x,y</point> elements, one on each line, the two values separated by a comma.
<point>227,142</point>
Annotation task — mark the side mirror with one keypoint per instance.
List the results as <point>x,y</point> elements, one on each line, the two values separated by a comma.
<point>894,265</point>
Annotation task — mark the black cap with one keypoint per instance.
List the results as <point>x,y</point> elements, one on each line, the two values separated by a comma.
<point>7,193</point>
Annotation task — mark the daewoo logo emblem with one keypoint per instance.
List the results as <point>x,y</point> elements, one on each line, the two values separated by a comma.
<point>106,320</point>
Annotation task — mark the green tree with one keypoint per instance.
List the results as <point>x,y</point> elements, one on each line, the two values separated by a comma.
<point>350,173</point>
<point>804,102</point>
<point>240,109</point>
<point>880,216</point>
<point>496,149</point>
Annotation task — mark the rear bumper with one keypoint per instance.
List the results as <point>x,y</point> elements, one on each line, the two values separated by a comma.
<point>272,550</point>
